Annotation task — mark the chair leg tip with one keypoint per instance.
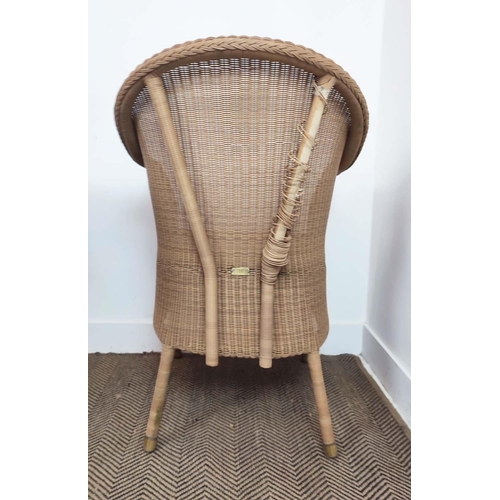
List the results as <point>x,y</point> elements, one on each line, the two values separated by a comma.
<point>212,358</point>
<point>265,363</point>
<point>330,450</point>
<point>149,444</point>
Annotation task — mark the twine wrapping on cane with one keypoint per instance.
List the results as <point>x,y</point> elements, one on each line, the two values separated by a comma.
<point>275,252</point>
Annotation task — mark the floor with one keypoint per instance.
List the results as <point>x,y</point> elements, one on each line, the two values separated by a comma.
<point>241,432</point>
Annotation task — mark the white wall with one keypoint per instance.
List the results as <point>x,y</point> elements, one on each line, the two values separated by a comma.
<point>386,337</point>
<point>122,242</point>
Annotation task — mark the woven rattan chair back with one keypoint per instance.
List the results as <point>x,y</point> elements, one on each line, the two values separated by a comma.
<point>257,130</point>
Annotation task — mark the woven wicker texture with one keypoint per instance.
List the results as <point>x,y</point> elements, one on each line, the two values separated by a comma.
<point>241,433</point>
<point>238,120</point>
<point>235,47</point>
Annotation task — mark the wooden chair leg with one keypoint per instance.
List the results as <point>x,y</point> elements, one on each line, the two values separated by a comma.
<point>167,356</point>
<point>325,420</point>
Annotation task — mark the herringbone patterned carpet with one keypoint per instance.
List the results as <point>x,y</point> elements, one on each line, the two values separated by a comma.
<point>240,432</point>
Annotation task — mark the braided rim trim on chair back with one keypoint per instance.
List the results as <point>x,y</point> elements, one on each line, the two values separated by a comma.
<point>241,46</point>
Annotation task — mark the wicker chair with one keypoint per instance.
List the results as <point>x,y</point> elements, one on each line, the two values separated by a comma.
<point>242,139</point>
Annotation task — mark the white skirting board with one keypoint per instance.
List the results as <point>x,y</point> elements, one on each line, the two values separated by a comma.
<point>393,378</point>
<point>343,338</point>
<point>123,337</point>
<point>140,337</point>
